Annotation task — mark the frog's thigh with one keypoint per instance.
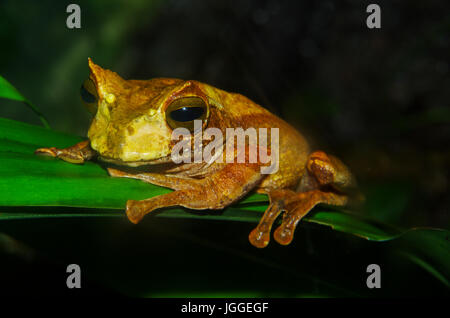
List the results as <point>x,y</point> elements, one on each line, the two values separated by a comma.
<point>77,153</point>
<point>299,206</point>
<point>214,192</point>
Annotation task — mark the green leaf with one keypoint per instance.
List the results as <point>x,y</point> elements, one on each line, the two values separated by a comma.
<point>10,92</point>
<point>31,180</point>
<point>34,180</point>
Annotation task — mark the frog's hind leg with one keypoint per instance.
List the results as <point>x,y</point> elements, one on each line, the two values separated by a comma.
<point>325,181</point>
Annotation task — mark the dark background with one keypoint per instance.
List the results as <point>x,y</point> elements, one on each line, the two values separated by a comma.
<point>377,98</point>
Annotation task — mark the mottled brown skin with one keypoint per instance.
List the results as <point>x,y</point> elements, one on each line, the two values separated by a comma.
<point>129,129</point>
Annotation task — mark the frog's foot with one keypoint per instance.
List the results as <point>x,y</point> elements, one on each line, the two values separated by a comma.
<point>136,210</point>
<point>77,153</point>
<point>296,206</point>
<point>260,236</point>
<point>299,207</point>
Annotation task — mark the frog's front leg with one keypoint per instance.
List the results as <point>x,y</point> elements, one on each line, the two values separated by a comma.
<point>173,182</point>
<point>77,153</point>
<point>278,199</point>
<point>301,205</point>
<point>214,192</point>
<point>295,206</point>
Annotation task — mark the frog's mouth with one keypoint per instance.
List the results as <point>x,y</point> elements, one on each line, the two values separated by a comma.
<point>139,163</point>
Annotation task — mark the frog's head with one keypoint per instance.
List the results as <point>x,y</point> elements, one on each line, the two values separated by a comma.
<point>133,120</point>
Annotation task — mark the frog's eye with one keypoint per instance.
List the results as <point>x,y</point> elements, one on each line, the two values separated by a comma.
<point>183,111</point>
<point>89,95</point>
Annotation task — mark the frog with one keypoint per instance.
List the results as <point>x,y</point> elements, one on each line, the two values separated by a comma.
<point>131,132</point>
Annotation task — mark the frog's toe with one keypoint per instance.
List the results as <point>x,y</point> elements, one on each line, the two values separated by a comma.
<point>259,238</point>
<point>284,235</point>
<point>47,151</point>
<point>295,211</point>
